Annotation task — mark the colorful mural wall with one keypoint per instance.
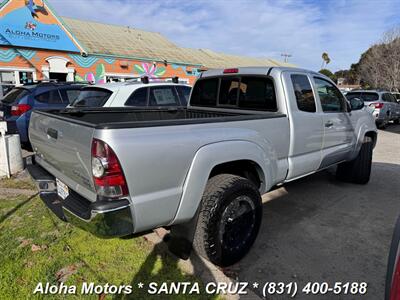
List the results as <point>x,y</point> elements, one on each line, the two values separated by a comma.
<point>93,68</point>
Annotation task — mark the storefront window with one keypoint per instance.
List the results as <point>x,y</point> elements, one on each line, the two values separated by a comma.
<point>25,77</point>
<point>7,82</point>
<point>7,77</point>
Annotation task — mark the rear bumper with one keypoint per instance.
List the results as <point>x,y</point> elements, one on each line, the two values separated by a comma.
<point>104,219</point>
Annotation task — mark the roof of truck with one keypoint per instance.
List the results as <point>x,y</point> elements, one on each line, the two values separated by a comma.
<point>254,70</point>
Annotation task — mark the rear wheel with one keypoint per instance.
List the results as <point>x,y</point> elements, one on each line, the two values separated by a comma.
<point>359,169</point>
<point>229,219</point>
<point>397,121</point>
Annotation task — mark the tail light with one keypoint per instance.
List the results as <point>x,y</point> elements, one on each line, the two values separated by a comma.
<point>395,289</point>
<point>107,172</point>
<point>18,110</point>
<point>378,105</point>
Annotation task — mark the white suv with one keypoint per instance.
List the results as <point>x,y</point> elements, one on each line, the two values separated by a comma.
<point>136,93</point>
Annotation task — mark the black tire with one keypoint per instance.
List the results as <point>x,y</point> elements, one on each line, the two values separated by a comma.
<point>222,236</point>
<point>358,170</point>
<point>397,121</point>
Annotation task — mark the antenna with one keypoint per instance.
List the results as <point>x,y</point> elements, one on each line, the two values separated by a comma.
<point>286,56</point>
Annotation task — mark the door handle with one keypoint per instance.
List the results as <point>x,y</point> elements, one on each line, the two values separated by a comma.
<point>52,133</point>
<point>329,124</point>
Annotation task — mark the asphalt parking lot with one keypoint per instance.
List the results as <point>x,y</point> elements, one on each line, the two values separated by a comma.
<point>319,229</point>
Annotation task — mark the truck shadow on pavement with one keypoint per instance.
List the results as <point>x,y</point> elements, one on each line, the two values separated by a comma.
<point>319,229</point>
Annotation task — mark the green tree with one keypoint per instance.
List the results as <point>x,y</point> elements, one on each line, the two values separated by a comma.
<point>328,73</point>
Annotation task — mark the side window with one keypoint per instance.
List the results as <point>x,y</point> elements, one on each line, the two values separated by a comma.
<point>303,92</point>
<point>50,97</point>
<point>137,98</point>
<point>70,95</point>
<point>184,93</point>
<point>163,96</point>
<point>331,98</point>
<point>388,97</point>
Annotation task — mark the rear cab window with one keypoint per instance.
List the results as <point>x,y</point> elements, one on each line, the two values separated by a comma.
<point>92,97</point>
<point>235,92</point>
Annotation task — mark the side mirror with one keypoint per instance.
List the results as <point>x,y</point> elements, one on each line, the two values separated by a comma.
<point>356,103</point>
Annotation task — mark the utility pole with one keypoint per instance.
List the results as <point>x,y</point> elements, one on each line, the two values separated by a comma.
<point>286,56</point>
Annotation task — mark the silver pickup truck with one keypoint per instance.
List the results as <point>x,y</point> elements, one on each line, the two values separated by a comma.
<point>117,172</point>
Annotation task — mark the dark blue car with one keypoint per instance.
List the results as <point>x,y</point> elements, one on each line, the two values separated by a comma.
<point>16,107</point>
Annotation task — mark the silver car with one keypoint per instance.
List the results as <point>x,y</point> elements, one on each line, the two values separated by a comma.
<point>384,104</point>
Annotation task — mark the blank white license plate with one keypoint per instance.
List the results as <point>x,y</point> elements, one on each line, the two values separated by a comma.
<point>62,189</point>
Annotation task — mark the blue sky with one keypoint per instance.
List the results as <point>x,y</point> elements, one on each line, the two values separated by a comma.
<point>260,28</point>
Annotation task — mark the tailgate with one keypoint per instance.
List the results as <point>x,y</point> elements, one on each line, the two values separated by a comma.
<point>63,148</point>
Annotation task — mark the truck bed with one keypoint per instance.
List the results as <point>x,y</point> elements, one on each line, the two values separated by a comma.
<point>112,118</point>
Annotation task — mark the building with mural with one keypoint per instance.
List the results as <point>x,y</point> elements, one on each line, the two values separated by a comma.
<point>37,44</point>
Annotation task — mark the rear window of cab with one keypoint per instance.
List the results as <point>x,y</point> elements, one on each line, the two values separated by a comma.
<point>235,92</point>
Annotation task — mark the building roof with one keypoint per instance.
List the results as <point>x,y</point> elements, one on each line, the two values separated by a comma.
<point>99,38</point>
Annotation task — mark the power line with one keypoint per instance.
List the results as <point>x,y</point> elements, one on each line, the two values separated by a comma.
<point>286,56</point>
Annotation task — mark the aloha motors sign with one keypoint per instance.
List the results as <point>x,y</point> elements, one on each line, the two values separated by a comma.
<point>31,34</point>
<point>34,28</point>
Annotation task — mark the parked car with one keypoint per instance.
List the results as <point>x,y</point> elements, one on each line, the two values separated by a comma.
<point>5,88</point>
<point>201,169</point>
<point>392,290</point>
<point>397,96</point>
<point>16,107</point>
<point>134,94</point>
<point>386,108</point>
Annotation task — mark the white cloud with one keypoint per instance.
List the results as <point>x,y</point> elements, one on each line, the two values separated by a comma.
<point>258,28</point>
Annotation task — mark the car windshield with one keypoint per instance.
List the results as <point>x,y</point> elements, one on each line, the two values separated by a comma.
<point>364,96</point>
<point>15,95</point>
<point>92,97</point>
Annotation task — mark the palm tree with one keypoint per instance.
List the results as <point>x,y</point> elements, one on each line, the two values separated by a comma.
<point>325,60</point>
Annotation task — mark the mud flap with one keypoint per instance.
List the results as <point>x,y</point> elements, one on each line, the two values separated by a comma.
<point>181,236</point>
